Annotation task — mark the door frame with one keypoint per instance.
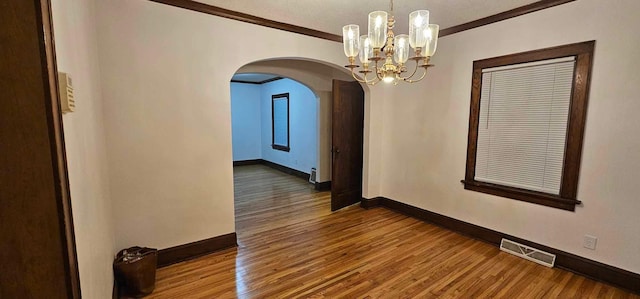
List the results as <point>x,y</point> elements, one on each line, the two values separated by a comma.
<point>29,30</point>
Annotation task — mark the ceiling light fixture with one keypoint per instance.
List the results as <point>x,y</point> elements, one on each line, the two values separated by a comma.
<point>381,44</point>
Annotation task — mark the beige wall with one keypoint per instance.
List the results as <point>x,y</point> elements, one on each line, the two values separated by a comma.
<point>424,133</point>
<point>166,75</point>
<point>160,94</point>
<point>77,54</point>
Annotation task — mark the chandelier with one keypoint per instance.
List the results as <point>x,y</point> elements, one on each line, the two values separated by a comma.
<point>389,53</point>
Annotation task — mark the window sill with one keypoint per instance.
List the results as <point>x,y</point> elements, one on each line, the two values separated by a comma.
<point>545,199</point>
<point>280,147</point>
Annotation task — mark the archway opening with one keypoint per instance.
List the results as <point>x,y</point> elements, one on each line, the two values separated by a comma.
<point>264,198</point>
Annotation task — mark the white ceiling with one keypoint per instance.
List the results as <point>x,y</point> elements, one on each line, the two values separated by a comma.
<point>331,15</point>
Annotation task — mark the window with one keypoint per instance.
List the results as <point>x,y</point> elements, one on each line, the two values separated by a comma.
<point>526,124</point>
<point>280,122</point>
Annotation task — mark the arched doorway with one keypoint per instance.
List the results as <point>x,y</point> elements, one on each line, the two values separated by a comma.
<point>319,78</point>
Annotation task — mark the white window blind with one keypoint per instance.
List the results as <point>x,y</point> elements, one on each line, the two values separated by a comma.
<point>523,125</point>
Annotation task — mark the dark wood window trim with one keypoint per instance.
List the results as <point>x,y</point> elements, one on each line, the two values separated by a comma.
<point>275,146</point>
<point>583,52</point>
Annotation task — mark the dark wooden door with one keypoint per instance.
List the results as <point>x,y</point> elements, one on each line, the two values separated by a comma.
<point>37,251</point>
<point>347,139</point>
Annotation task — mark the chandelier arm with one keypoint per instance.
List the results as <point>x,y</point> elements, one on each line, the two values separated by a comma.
<point>373,80</point>
<point>354,77</point>
<point>412,74</point>
<point>421,77</point>
<point>365,80</point>
<point>379,76</point>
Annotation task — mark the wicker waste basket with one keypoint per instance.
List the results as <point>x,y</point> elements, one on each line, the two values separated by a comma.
<point>135,271</point>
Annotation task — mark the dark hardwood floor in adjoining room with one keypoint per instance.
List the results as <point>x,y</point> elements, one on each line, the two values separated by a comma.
<point>292,246</point>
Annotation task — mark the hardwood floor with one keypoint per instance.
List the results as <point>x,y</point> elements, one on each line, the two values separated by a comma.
<point>292,246</point>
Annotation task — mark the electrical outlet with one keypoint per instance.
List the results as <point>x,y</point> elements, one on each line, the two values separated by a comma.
<point>590,242</point>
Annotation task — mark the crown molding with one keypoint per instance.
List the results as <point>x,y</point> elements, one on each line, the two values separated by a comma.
<point>518,11</point>
<point>247,18</point>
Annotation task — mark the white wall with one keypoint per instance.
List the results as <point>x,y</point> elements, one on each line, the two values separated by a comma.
<point>166,75</point>
<point>303,125</point>
<point>424,133</point>
<point>245,121</point>
<point>77,54</point>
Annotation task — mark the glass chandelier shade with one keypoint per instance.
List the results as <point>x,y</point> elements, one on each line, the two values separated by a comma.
<point>366,50</point>
<point>387,53</point>
<point>350,39</point>
<point>418,23</point>
<point>401,48</point>
<point>378,28</point>
<point>432,39</point>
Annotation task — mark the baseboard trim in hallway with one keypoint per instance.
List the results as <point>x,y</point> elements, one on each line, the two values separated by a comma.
<point>180,253</point>
<point>368,203</point>
<point>564,260</point>
<point>248,162</point>
<point>323,186</point>
<point>282,168</point>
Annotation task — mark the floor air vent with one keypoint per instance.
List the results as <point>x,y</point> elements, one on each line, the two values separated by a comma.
<point>526,252</point>
<point>312,176</point>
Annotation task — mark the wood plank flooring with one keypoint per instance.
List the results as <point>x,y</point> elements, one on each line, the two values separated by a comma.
<point>292,246</point>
